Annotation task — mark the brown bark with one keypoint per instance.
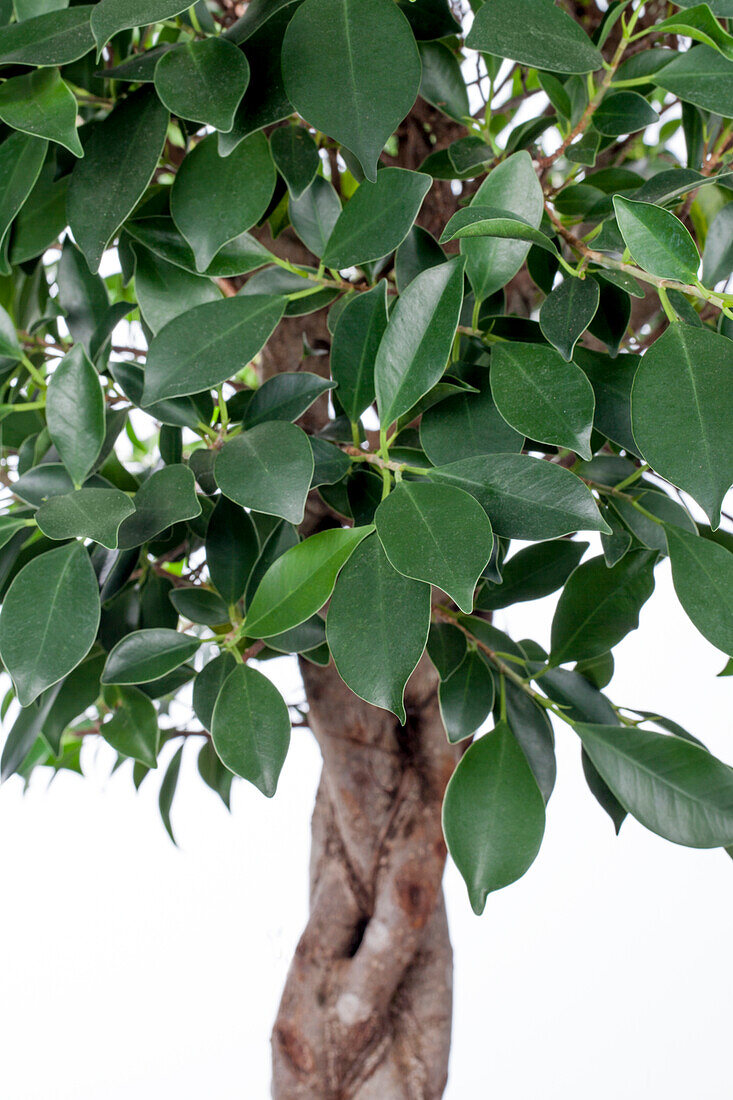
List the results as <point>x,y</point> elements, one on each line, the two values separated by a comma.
<point>366,1011</point>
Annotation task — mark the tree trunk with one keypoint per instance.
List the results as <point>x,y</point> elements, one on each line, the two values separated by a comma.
<point>366,1010</point>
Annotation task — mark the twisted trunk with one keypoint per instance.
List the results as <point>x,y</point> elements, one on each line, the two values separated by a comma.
<point>366,1010</point>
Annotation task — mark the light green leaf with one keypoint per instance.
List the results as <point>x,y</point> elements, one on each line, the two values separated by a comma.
<point>232,548</point>
<point>376,655</point>
<point>525,497</point>
<point>702,572</point>
<point>251,728</point>
<point>700,76</point>
<point>55,38</point>
<point>673,787</point>
<point>377,218</point>
<point>567,311</point>
<point>146,655</point>
<point>87,513</point>
<point>466,697</point>
<point>165,291</point>
<point>600,606</point>
<point>542,396</point>
<point>356,340</point>
<point>215,199</point>
<point>40,103</point>
<point>513,188</point>
<point>75,413</point>
<point>120,157</point>
<point>436,533</point>
<point>535,33</point>
<point>295,154</point>
<point>203,81</point>
<point>166,497</point>
<point>493,814</point>
<point>208,344</point>
<point>329,44</point>
<point>682,412</point>
<point>267,468</point>
<point>314,215</point>
<point>298,583</point>
<point>133,728</point>
<point>111,16</point>
<point>657,240</point>
<point>43,639</point>
<point>416,344</point>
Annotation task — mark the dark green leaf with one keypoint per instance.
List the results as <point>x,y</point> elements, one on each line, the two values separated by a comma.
<point>168,790</point>
<point>75,413</point>
<point>166,497</point>
<point>111,16</point>
<point>532,729</point>
<point>87,513</point>
<point>285,396</point>
<point>133,728</point>
<point>466,697</point>
<point>208,684</point>
<point>657,240</point>
<point>21,160</point>
<point>717,257</point>
<point>54,38</point>
<point>42,218</point>
<point>214,774</point>
<point>82,295</point>
<point>700,76</point>
<point>160,235</point>
<point>356,340</point>
<point>199,605</point>
<point>702,573</point>
<point>446,648</point>
<point>203,81</point>
<point>611,380</point>
<point>251,728</point>
<point>418,251</point>
<point>232,548</point>
<point>623,112</point>
<point>535,33</point>
<point>295,154</point>
<point>466,425</point>
<point>442,81</point>
<point>567,311</point>
<point>146,655</point>
<point>314,215</point>
<point>490,221</point>
<point>40,103</point>
<point>268,468</point>
<point>165,291</point>
<point>377,218</point>
<point>533,573</point>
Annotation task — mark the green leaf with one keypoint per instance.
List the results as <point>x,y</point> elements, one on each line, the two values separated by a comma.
<point>166,497</point>
<point>285,396</point>
<point>208,684</point>
<point>314,215</point>
<point>717,257</point>
<point>535,33</point>
<point>168,790</point>
<point>356,340</point>
<point>493,814</point>
<point>702,573</point>
<point>611,380</point>
<point>133,728</point>
<point>87,513</point>
<point>82,295</point>
<point>376,655</point>
<point>214,774</point>
<point>375,89</point>
<point>165,291</point>
<point>466,697</point>
<point>446,648</point>
<point>531,727</point>
<point>542,396</point>
<point>296,158</point>
<point>490,221</point>
<point>160,235</point>
<point>9,526</point>
<point>251,728</point>
<point>657,240</point>
<point>21,160</point>
<point>700,76</point>
<point>567,311</point>
<point>377,218</point>
<point>111,16</point>
<point>307,636</point>
<point>208,344</point>
<point>55,38</point>
<point>532,573</point>
<point>120,156</point>
<point>329,463</point>
<point>418,251</point>
<point>199,605</point>
<point>429,19</point>
<point>232,548</point>
<point>600,606</point>
<point>75,413</point>
<point>215,199</point>
<point>203,81</point>
<point>146,655</point>
<point>682,410</point>
<point>268,468</point>
<point>525,497</point>
<point>298,583</point>
<point>9,344</point>
<point>442,81</point>
<point>700,24</point>
<point>623,112</point>
<point>43,639</point>
<point>42,218</point>
<point>40,103</point>
<point>513,188</point>
<point>438,534</point>
<point>673,787</point>
<point>416,344</point>
<point>465,425</point>
<point>648,532</point>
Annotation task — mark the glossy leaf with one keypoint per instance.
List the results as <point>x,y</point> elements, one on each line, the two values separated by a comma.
<point>567,311</point>
<point>285,396</point>
<point>299,582</point>
<point>531,727</point>
<point>208,344</point>
<point>657,240</point>
<point>40,103</point>
<point>203,81</point>
<point>525,498</point>
<point>375,656</point>
<point>199,605</point>
<point>623,112</point>
<point>416,344</point>
<point>75,413</point>
<point>493,815</point>
<point>600,606</point>
<point>267,468</point>
<point>532,573</point>
<point>42,640</point>
<point>133,728</point>
<point>251,728</point>
<point>232,548</point>
<point>490,221</point>
<point>673,787</point>
<point>314,215</point>
<point>700,76</point>
<point>543,396</point>
<point>702,573</point>
<point>238,257</point>
<point>208,684</point>
<point>146,655</point>
<point>354,348</point>
<point>466,697</point>
<point>87,513</point>
<point>166,497</point>
<point>436,533</point>
<point>377,218</point>
<point>120,157</point>
<point>466,425</point>
<point>295,154</point>
<point>682,410</point>
<point>330,44</point>
<point>215,199</point>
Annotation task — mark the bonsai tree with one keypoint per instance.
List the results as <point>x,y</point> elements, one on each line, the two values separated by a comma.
<point>330,327</point>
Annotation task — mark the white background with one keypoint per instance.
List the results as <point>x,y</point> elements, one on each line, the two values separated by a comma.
<point>130,968</point>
